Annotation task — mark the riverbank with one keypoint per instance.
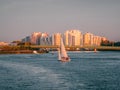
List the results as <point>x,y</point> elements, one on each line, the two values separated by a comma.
<point>45,49</point>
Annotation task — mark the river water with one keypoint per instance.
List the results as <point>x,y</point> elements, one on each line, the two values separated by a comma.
<point>85,71</point>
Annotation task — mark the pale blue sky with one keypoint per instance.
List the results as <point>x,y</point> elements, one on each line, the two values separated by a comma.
<point>19,18</point>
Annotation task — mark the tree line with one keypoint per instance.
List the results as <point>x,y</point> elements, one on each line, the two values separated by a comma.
<point>110,43</point>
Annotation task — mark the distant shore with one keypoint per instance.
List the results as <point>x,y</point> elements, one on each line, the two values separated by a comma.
<point>39,52</point>
<point>46,49</point>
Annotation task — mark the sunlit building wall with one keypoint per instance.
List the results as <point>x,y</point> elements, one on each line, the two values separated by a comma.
<point>97,40</point>
<point>70,40</point>
<point>56,38</point>
<point>88,39</point>
<point>65,38</point>
<point>35,37</point>
<point>72,37</point>
<point>76,37</point>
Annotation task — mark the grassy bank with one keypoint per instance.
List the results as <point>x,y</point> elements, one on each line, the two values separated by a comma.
<point>44,49</point>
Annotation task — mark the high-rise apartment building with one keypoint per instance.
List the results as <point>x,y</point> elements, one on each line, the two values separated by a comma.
<point>44,39</point>
<point>56,39</point>
<point>72,38</point>
<point>26,39</point>
<point>92,40</point>
<point>35,37</point>
<point>88,39</point>
<point>38,38</point>
<point>97,40</point>
<point>65,38</point>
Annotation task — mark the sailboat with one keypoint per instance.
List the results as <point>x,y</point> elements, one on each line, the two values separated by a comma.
<point>62,54</point>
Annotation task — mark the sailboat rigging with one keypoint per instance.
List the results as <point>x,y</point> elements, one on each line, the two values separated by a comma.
<point>62,54</point>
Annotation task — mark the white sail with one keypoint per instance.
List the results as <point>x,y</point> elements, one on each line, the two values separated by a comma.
<point>62,53</point>
<point>62,50</point>
<point>59,55</point>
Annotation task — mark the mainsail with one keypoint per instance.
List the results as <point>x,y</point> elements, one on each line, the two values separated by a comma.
<point>62,49</point>
<point>62,53</point>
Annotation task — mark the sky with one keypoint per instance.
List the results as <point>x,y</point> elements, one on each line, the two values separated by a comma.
<point>20,18</point>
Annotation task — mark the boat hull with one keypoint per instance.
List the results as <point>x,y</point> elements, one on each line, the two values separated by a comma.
<point>65,59</point>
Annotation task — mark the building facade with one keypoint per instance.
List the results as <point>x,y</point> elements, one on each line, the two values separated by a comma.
<point>72,38</point>
<point>88,39</point>
<point>56,39</point>
<point>35,38</point>
<point>44,39</point>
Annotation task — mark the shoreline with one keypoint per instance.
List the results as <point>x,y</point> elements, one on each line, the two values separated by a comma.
<point>43,52</point>
<point>47,49</point>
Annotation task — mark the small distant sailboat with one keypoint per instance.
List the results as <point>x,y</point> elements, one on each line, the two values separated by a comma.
<point>62,54</point>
